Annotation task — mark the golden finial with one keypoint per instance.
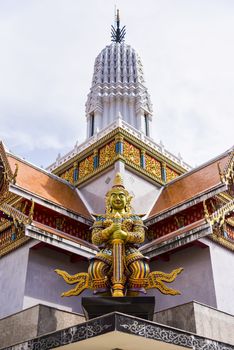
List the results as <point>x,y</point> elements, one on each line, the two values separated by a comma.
<point>13,179</point>
<point>206,212</point>
<point>221,174</point>
<point>118,181</point>
<point>31,213</point>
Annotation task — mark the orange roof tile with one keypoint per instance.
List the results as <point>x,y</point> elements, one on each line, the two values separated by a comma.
<point>47,186</point>
<point>190,185</point>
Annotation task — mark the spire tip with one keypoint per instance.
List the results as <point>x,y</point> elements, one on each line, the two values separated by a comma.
<point>117,33</point>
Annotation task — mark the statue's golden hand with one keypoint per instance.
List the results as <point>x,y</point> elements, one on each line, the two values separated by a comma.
<point>119,234</point>
<point>107,232</point>
<point>116,226</point>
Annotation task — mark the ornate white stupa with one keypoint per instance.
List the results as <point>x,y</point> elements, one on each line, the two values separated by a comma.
<point>118,87</point>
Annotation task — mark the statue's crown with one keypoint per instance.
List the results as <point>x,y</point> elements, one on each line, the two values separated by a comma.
<point>118,181</point>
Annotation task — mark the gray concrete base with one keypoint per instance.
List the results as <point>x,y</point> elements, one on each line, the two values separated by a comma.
<point>33,322</point>
<point>120,331</point>
<point>191,317</point>
<point>200,319</point>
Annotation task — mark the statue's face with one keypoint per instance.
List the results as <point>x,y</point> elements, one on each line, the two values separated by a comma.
<point>118,200</point>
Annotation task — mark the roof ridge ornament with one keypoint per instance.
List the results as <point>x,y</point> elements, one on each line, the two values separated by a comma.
<point>117,33</point>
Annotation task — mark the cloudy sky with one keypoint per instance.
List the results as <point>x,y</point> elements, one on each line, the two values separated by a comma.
<point>48,48</point>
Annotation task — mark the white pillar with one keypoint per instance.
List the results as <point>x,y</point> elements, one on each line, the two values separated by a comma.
<point>88,126</point>
<point>97,120</point>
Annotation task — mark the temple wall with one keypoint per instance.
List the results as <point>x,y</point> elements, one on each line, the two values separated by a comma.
<point>222,263</point>
<point>94,192</point>
<point>13,267</point>
<point>44,286</point>
<point>144,193</point>
<point>195,282</point>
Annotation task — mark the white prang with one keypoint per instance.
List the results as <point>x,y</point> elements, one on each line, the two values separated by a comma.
<point>118,90</point>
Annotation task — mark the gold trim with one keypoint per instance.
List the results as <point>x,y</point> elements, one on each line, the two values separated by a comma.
<point>4,159</point>
<point>224,197</point>
<point>13,179</point>
<point>5,226</point>
<point>145,172</point>
<point>227,175</point>
<point>12,246</point>
<point>31,213</point>
<point>85,153</point>
<point>218,217</point>
<point>123,134</point>
<point>230,221</point>
<point>14,213</point>
<point>222,241</point>
<point>96,171</point>
<point>9,177</point>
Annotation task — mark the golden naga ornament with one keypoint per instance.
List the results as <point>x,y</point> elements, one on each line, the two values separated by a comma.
<point>119,268</point>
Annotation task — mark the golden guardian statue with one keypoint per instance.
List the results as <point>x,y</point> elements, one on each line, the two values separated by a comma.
<point>119,268</point>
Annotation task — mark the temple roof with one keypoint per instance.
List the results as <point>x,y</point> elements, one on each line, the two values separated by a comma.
<point>48,187</point>
<point>194,184</point>
<point>60,239</point>
<point>177,238</point>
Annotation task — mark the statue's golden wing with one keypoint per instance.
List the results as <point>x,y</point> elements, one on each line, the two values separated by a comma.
<point>82,279</point>
<point>156,279</point>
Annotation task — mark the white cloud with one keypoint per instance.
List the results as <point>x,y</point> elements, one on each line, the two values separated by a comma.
<point>48,49</point>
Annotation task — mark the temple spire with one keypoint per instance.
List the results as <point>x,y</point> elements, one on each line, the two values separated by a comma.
<point>118,88</point>
<point>117,33</point>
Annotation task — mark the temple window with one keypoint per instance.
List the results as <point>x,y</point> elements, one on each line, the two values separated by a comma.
<point>91,124</point>
<point>146,124</point>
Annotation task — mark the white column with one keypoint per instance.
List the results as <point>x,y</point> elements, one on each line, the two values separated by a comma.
<point>140,121</point>
<point>132,112</point>
<point>105,113</point>
<point>118,107</point>
<point>97,120</point>
<point>88,127</point>
<point>125,109</point>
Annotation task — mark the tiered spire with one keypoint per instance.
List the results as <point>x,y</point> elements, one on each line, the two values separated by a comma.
<point>118,89</point>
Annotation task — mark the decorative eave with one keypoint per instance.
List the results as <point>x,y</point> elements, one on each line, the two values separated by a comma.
<point>18,220</point>
<point>217,221</point>
<point>185,205</point>
<point>176,239</point>
<point>60,239</point>
<point>17,216</point>
<point>14,245</point>
<point>121,331</point>
<point>190,188</point>
<point>222,241</point>
<point>47,189</point>
<point>7,176</point>
<point>227,175</point>
<point>218,217</point>
<point>3,157</point>
<point>117,132</point>
<point>105,135</point>
<point>48,204</point>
